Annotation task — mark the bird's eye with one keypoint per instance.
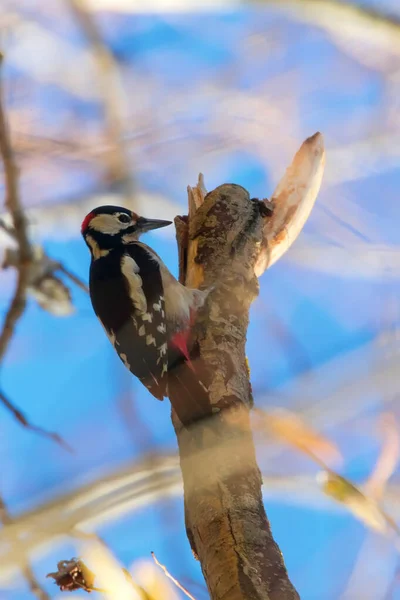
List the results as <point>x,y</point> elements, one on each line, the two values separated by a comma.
<point>124,218</point>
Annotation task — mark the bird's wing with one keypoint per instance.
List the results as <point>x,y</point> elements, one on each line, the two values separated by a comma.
<point>130,304</point>
<point>142,341</point>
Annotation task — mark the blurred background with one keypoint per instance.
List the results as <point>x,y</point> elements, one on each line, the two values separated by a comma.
<point>125,102</point>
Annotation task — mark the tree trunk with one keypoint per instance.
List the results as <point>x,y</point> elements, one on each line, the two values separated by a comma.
<point>225,518</point>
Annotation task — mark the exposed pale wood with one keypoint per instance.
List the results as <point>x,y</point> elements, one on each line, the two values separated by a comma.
<point>293,200</point>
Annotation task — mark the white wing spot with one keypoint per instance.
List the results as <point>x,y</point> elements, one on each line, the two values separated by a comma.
<point>111,336</point>
<point>164,369</point>
<point>150,340</point>
<point>157,306</point>
<point>161,328</point>
<point>142,330</point>
<point>124,359</point>
<point>147,317</point>
<point>108,224</point>
<point>163,314</point>
<point>163,349</point>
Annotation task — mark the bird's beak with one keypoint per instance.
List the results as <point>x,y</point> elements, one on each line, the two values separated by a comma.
<point>149,224</point>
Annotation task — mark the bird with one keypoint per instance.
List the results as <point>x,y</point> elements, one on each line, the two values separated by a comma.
<point>145,312</point>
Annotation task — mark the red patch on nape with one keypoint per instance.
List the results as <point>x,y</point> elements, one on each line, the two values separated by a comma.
<point>86,221</point>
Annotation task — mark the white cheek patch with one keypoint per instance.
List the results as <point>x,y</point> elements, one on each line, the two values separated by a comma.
<point>130,270</point>
<point>108,224</point>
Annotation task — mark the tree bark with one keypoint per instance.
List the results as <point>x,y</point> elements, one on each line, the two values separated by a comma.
<point>225,518</point>
<point>227,241</point>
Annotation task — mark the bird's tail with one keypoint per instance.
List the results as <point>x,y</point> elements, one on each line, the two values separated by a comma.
<point>188,392</point>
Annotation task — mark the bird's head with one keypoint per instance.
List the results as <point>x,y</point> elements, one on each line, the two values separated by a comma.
<point>108,227</point>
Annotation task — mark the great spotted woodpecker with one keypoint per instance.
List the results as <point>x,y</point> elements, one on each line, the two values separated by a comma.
<point>146,313</point>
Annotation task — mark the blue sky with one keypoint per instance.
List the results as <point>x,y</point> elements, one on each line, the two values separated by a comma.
<point>63,372</point>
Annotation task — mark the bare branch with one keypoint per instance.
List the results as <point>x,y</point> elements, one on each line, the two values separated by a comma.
<point>24,262</point>
<point>74,278</point>
<point>130,487</point>
<point>44,286</point>
<point>112,94</point>
<point>326,13</point>
<point>26,569</point>
<point>292,200</point>
<point>47,289</point>
<point>12,200</point>
<point>368,34</point>
<point>128,490</point>
<point>13,205</point>
<point>388,459</point>
<point>174,581</point>
<point>21,418</point>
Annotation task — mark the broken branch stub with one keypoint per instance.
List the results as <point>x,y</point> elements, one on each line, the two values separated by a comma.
<point>292,200</point>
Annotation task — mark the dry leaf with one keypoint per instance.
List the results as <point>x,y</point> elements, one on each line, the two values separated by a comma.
<point>294,431</point>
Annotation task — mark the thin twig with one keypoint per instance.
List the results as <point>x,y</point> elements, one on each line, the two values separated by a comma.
<point>9,230</point>
<point>366,23</point>
<point>12,202</point>
<point>93,588</point>
<point>26,569</point>
<point>388,458</point>
<point>21,418</point>
<point>112,95</point>
<point>74,278</point>
<point>174,581</point>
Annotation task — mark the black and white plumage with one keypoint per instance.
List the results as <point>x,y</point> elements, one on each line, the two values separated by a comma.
<point>146,313</point>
